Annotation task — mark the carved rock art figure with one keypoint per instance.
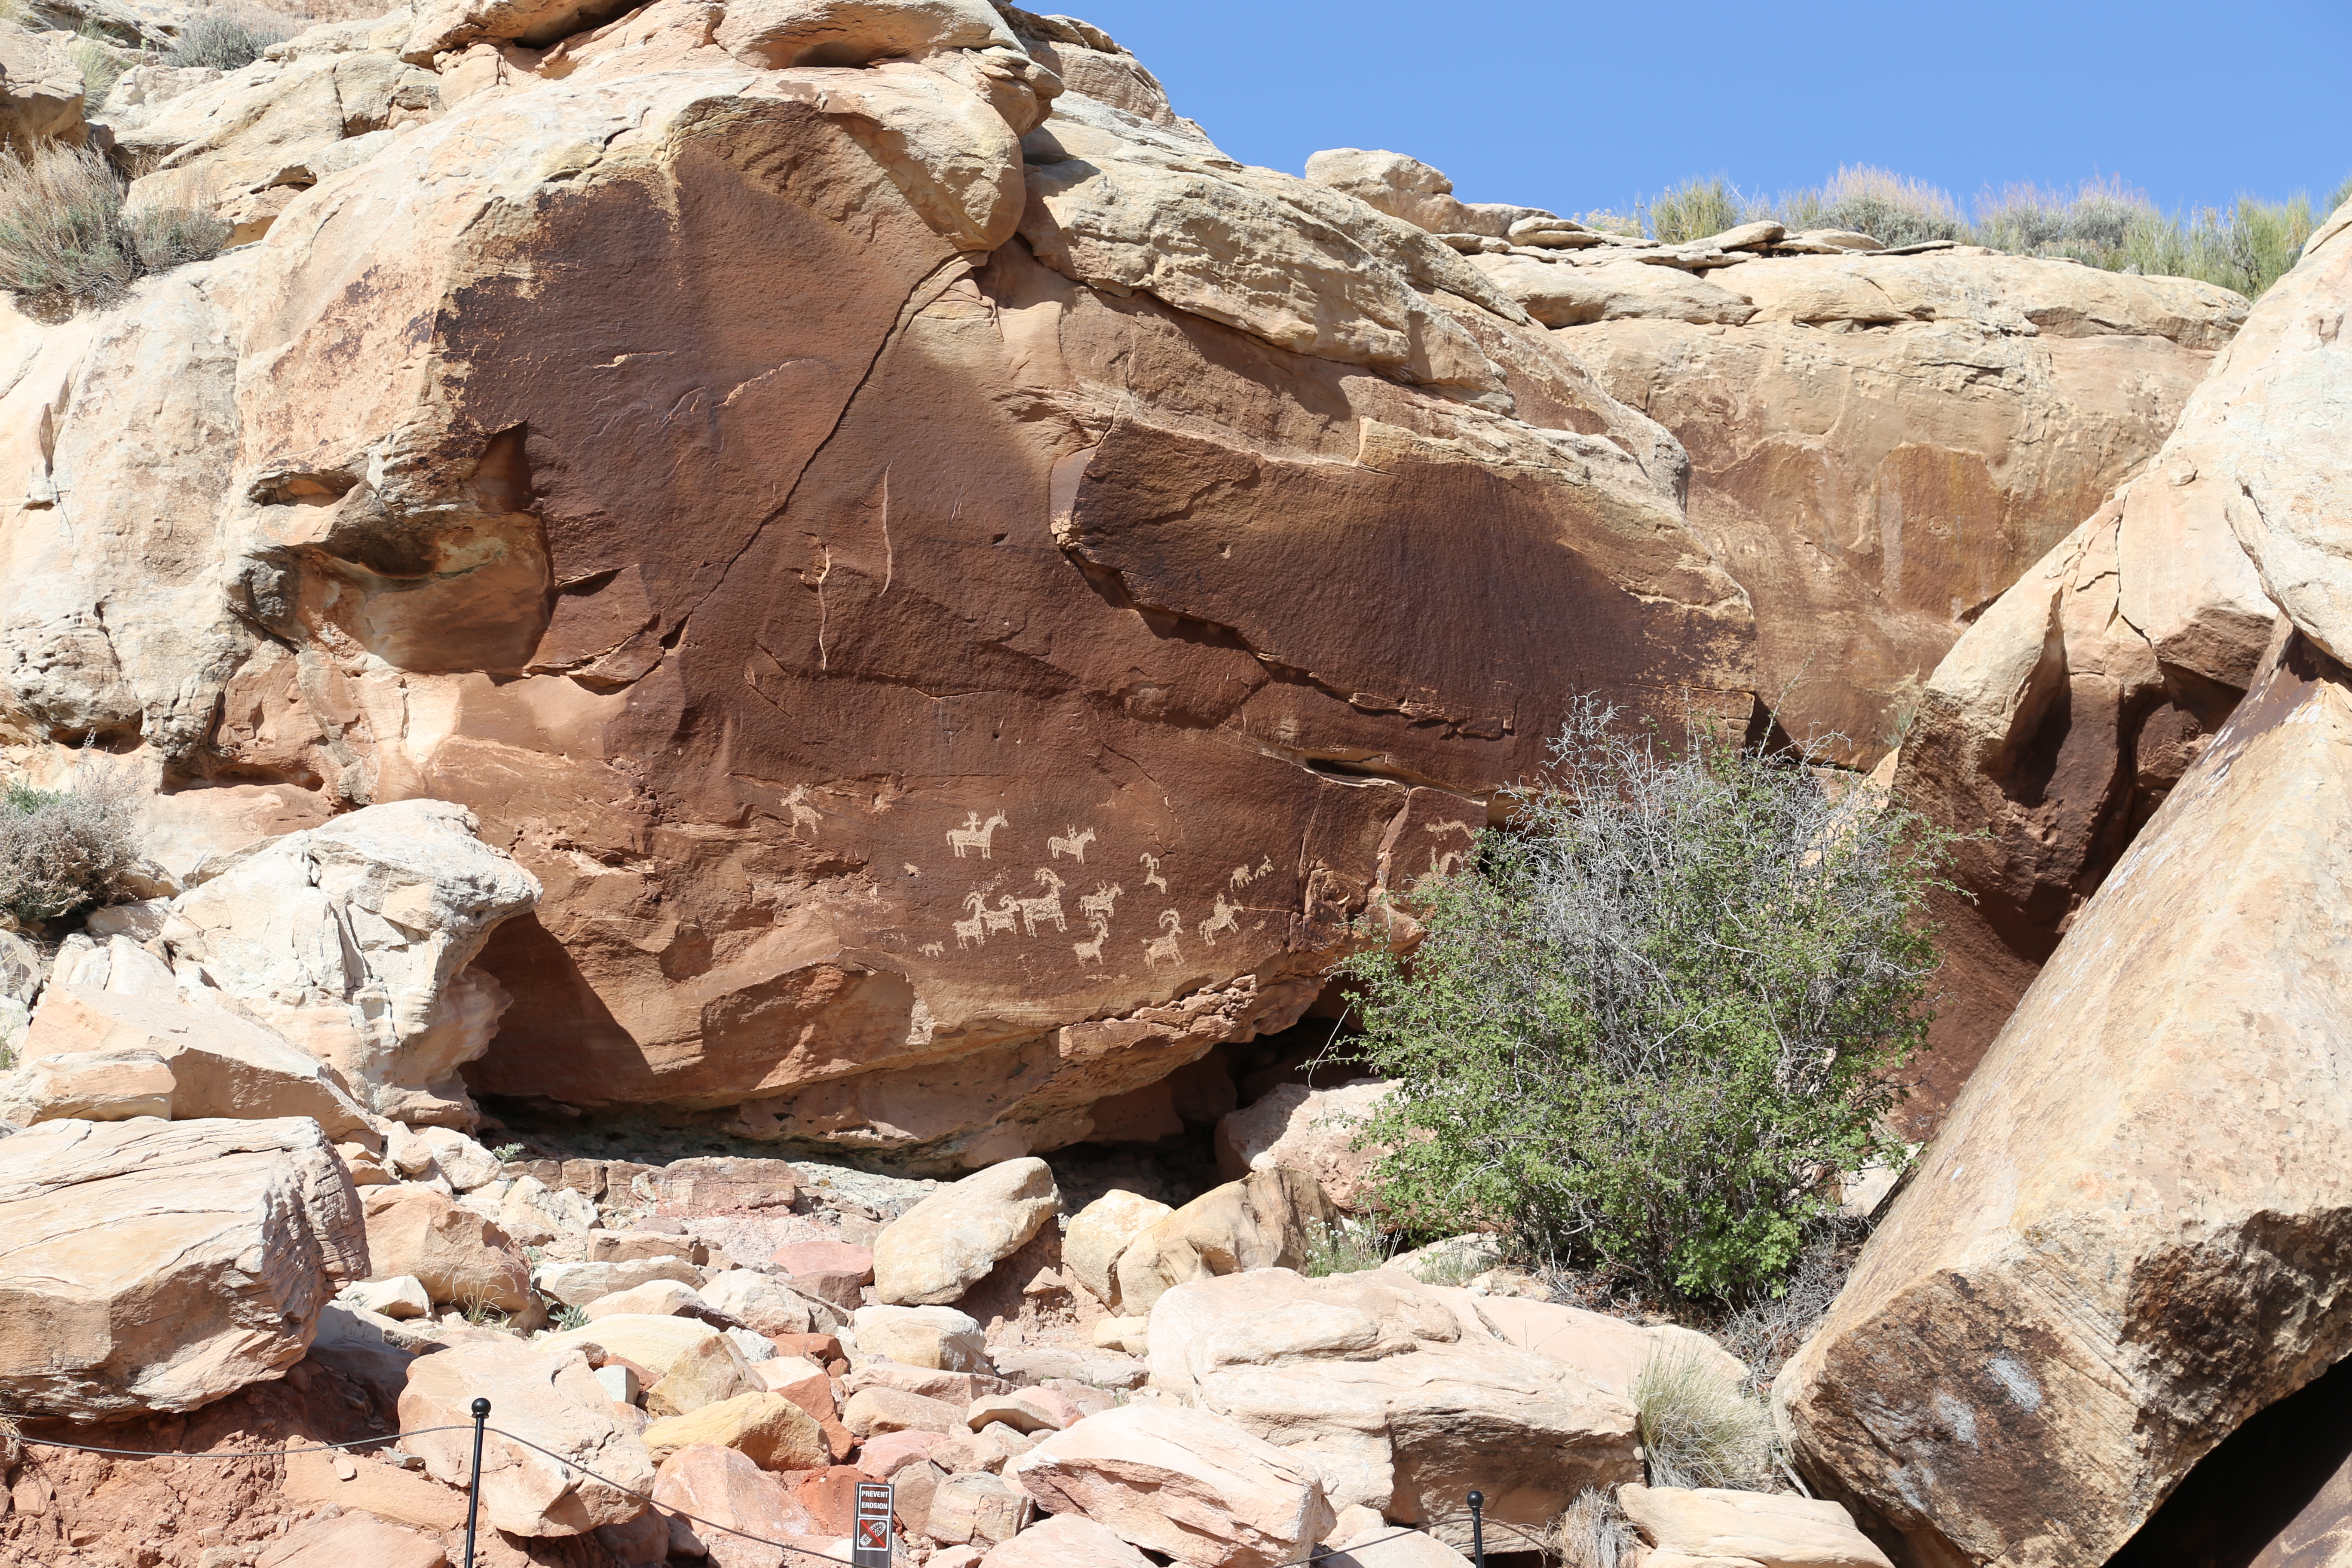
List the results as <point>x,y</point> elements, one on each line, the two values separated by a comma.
<point>1221,920</point>
<point>1076,843</point>
<point>933,949</point>
<point>1048,907</point>
<point>1166,946</point>
<point>1152,877</point>
<point>974,930</point>
<point>1091,952</point>
<point>802,814</point>
<point>1096,905</point>
<point>974,834</point>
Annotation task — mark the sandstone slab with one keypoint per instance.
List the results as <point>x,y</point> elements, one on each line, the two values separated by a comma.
<point>1183,1482</point>
<point>2107,1260</point>
<point>1099,1231</point>
<point>938,1337</point>
<point>457,1255</point>
<point>1309,1130</point>
<point>1770,1530</point>
<point>148,1265</point>
<point>1269,1219</point>
<point>771,1430</point>
<point>941,1247</point>
<point>1064,1541</point>
<point>546,1396</point>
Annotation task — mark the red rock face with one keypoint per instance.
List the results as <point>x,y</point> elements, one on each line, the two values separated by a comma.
<point>934,695</point>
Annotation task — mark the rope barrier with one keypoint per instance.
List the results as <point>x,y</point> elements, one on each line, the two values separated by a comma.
<point>606,1481</point>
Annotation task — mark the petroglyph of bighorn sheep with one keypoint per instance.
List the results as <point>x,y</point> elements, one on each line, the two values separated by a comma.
<point>1166,946</point>
<point>1036,911</point>
<point>1152,877</point>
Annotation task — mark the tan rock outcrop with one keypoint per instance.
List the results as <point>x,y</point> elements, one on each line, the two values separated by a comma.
<point>457,1255</point>
<point>945,1245</point>
<point>1395,1392</point>
<point>215,1062</point>
<point>1065,1541</point>
<point>769,1429</point>
<point>40,91</point>
<point>1769,1529</point>
<point>2122,1242</point>
<point>750,1507</point>
<point>1892,440</point>
<point>355,941</point>
<point>1610,1351</point>
<point>1183,1482</point>
<point>1269,1219</point>
<point>938,1337</point>
<point>1409,189</point>
<point>156,1266</point>
<point>457,581</point>
<point>548,1397</point>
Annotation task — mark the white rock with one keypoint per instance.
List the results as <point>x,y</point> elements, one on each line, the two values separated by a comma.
<point>938,1337</point>
<point>941,1247</point>
<point>1099,1231</point>
<point>402,1296</point>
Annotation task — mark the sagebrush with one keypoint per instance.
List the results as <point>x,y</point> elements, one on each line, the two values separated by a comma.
<point>1697,1428</point>
<point>67,240</point>
<point>1650,1024</point>
<point>227,40</point>
<point>2246,245</point>
<point>1593,1533</point>
<point>63,851</point>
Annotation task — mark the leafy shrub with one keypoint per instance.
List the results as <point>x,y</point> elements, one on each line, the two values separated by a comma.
<point>1594,1532</point>
<point>1651,1023</point>
<point>1697,1428</point>
<point>62,851</point>
<point>65,239</point>
<point>227,40</point>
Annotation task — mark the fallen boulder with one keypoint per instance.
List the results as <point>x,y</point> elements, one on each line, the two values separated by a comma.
<point>1269,1219</point>
<point>1396,1392</point>
<point>721,1488</point>
<point>457,1256</point>
<point>771,1430</point>
<point>944,1245</point>
<point>1099,1231</point>
<point>545,1397</point>
<point>1309,1130</point>
<point>2125,1239</point>
<point>156,1266</point>
<point>1183,1482</point>
<point>938,1337</point>
<point>1064,1541</point>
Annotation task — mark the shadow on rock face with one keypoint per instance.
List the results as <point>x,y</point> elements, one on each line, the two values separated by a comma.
<point>2277,1493</point>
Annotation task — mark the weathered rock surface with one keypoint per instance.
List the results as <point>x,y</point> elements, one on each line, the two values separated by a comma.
<point>1269,1219</point>
<point>727,1489</point>
<point>1098,1233</point>
<point>938,1337</point>
<point>156,1266</point>
<point>941,1247</point>
<point>2062,719</point>
<point>769,1429</point>
<point>1065,1541</point>
<point>455,582</point>
<point>1769,1529</point>
<point>1309,1130</point>
<point>354,940</point>
<point>548,1396</point>
<point>1889,442</point>
<point>1183,1482</point>
<point>214,1062</point>
<point>1609,1351</point>
<point>1410,190</point>
<point>457,1255</point>
<point>40,91</point>
<point>2130,1233</point>
<point>1396,1392</point>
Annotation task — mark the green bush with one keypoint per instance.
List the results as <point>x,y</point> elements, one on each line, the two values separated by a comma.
<point>62,851</point>
<point>1695,209</point>
<point>66,240</point>
<point>227,40</point>
<point>1651,1022</point>
<point>1345,1246</point>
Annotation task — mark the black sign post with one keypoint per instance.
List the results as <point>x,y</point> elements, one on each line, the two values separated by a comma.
<point>869,1540</point>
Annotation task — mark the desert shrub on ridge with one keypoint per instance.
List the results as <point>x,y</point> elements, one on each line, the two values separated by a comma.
<point>65,850</point>
<point>1652,1021</point>
<point>67,239</point>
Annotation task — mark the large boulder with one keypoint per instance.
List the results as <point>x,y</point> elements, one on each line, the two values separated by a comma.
<point>1310,1130</point>
<point>457,1256</point>
<point>1396,1392</point>
<point>1610,1351</point>
<point>1065,1541</point>
<point>772,1431</point>
<point>723,1507</point>
<point>540,1399</point>
<point>467,580</point>
<point>1099,1231</point>
<point>938,1337</point>
<point>1271,1218</point>
<point>941,1247</point>
<point>354,940</point>
<point>1182,1482</point>
<point>156,1266</point>
<point>40,91</point>
<point>215,1062</point>
<point>1410,190</point>
<point>1882,444</point>
<point>2128,1235</point>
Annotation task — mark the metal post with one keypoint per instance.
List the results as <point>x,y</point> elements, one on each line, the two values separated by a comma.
<point>1477,1529</point>
<point>474,1481</point>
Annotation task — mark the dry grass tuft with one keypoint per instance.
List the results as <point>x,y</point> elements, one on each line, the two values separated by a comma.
<point>1697,1428</point>
<point>66,240</point>
<point>1594,1532</point>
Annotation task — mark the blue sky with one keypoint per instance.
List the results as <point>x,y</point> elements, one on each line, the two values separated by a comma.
<point>1574,107</point>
